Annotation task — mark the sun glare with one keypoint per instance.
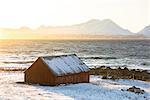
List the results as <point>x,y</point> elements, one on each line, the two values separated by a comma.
<point>1,35</point>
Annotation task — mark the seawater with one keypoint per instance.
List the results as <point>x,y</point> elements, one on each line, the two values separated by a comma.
<point>95,53</point>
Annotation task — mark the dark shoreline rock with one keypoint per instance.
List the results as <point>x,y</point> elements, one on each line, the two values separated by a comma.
<point>136,90</point>
<point>121,73</point>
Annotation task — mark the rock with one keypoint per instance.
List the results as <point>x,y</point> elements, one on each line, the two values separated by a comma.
<point>102,66</point>
<point>108,68</point>
<point>136,90</point>
<point>119,68</point>
<point>125,68</point>
<point>104,77</point>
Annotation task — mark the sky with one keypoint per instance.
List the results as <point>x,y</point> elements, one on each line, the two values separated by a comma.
<point>129,14</point>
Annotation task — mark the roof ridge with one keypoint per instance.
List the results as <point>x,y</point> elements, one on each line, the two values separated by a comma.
<point>59,55</point>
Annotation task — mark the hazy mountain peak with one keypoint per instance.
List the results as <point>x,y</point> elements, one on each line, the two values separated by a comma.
<point>98,21</point>
<point>100,24</point>
<point>93,21</point>
<point>25,28</point>
<point>107,21</point>
<point>145,31</point>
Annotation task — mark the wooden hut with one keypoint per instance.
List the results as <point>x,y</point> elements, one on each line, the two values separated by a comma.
<point>55,70</point>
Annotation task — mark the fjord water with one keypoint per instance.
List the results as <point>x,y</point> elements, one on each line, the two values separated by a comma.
<point>113,53</point>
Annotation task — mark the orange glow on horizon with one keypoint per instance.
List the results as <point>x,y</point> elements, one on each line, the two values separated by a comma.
<point>1,35</point>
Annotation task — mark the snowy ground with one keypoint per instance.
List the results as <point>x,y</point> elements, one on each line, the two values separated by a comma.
<point>98,89</point>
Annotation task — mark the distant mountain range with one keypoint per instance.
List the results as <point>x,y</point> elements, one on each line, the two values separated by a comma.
<point>95,27</point>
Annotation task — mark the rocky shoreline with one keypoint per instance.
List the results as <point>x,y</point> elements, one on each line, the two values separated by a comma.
<point>121,73</point>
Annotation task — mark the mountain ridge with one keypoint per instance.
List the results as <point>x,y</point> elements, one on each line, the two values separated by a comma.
<point>93,26</point>
<point>102,28</point>
<point>145,31</point>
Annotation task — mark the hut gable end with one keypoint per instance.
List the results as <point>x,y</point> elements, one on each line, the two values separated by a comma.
<point>39,73</point>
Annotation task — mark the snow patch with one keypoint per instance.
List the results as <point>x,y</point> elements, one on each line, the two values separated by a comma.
<point>97,89</point>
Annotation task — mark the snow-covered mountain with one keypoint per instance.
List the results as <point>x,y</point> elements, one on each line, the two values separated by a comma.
<point>92,29</point>
<point>145,31</point>
<point>94,26</point>
<point>104,27</point>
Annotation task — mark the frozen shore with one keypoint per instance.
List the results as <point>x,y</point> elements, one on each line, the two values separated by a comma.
<point>97,89</point>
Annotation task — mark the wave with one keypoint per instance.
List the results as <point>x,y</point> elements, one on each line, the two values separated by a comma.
<point>145,63</point>
<point>17,62</point>
<point>58,49</point>
<point>12,69</point>
<point>106,58</point>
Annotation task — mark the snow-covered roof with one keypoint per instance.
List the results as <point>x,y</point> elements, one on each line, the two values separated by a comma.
<point>65,64</point>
